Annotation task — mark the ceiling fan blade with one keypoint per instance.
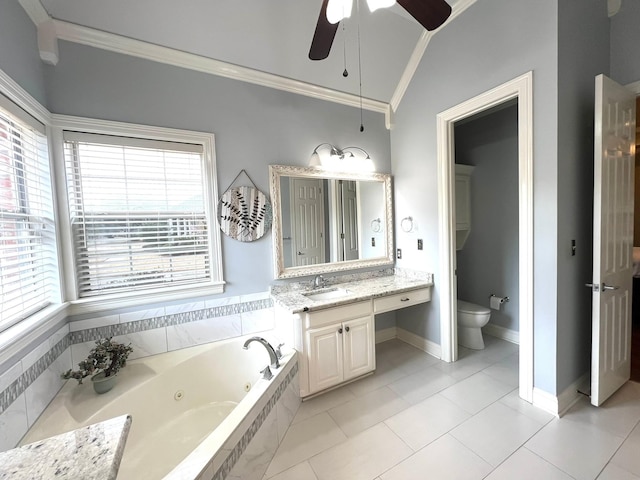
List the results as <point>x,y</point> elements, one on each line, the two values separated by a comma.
<point>323,36</point>
<point>430,13</point>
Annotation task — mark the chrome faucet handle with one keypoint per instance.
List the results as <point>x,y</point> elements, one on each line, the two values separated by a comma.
<point>266,373</point>
<point>279,351</point>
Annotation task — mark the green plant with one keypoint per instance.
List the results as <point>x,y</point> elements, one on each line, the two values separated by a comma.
<point>107,356</point>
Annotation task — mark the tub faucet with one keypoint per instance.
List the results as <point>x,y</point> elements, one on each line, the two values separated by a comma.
<point>275,363</point>
<point>319,281</point>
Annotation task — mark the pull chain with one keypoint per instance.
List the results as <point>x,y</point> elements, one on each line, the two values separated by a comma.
<point>359,65</point>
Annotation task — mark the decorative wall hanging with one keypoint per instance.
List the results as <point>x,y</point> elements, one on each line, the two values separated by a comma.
<point>244,213</point>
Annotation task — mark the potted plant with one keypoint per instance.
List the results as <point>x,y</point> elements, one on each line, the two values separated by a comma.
<point>103,362</point>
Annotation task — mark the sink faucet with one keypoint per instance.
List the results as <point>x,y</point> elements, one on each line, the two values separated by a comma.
<point>319,281</point>
<point>273,357</point>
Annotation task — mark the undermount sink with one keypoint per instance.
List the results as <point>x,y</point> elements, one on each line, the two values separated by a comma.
<point>327,294</point>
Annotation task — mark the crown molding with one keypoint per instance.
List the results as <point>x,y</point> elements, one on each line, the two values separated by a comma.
<point>35,10</point>
<point>418,52</point>
<point>18,95</point>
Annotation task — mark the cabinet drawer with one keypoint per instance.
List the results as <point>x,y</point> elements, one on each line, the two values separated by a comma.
<point>401,300</point>
<point>337,314</point>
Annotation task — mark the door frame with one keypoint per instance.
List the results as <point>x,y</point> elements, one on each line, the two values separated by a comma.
<point>520,88</point>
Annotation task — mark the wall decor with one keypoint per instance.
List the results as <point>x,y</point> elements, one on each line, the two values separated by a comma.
<point>244,212</point>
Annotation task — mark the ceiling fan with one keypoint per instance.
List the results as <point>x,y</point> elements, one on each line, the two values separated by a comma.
<point>429,13</point>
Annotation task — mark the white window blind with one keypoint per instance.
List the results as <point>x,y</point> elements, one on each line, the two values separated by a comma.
<point>28,258</point>
<point>138,213</point>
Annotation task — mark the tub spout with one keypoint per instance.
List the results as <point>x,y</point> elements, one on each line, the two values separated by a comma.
<point>273,357</point>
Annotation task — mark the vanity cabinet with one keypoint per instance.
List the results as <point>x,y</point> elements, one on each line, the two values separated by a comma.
<point>336,344</point>
<point>340,352</point>
<point>340,344</point>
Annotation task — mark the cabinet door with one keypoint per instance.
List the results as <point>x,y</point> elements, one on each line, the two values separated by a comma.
<point>463,199</point>
<point>359,347</point>
<point>325,357</point>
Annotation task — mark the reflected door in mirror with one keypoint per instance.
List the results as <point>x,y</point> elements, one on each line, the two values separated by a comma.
<point>307,222</point>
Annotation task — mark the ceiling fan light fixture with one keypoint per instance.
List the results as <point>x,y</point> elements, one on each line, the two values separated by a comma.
<point>376,4</point>
<point>338,10</point>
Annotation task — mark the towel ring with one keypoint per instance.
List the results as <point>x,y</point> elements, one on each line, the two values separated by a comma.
<point>406,224</point>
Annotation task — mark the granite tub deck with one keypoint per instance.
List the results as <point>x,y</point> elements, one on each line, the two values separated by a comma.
<point>293,296</point>
<point>90,453</point>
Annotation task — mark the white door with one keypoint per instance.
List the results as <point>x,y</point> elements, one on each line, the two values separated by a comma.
<point>359,347</point>
<point>349,234</point>
<point>307,222</point>
<point>612,238</point>
<point>325,357</point>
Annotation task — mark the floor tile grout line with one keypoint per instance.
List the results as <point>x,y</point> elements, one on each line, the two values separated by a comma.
<point>547,461</point>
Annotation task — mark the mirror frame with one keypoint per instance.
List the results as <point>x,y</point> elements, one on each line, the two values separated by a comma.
<point>278,171</point>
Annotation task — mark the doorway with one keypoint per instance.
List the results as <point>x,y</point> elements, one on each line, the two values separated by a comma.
<point>635,300</point>
<point>520,90</point>
<point>486,192</point>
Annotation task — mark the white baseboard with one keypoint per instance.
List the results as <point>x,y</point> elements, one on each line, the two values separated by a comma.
<point>558,405</point>
<point>497,331</point>
<point>386,334</point>
<point>417,341</point>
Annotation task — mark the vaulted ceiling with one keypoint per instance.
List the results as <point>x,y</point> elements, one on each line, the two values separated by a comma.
<point>271,36</point>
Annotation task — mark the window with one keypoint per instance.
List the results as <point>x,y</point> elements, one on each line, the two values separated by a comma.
<point>140,214</point>
<point>28,257</point>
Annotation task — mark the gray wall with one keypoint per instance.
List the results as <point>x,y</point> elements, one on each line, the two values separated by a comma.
<point>19,56</point>
<point>488,263</point>
<point>254,127</point>
<point>583,53</point>
<point>625,39</point>
<point>492,42</point>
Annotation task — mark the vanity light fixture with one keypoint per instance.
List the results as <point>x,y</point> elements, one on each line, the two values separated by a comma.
<point>349,159</point>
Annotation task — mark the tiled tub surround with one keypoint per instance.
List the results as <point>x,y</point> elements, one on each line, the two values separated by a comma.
<point>193,404</point>
<point>28,385</point>
<point>291,296</point>
<point>93,452</point>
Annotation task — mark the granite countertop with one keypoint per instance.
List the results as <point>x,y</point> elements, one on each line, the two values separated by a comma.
<point>88,453</point>
<point>292,296</point>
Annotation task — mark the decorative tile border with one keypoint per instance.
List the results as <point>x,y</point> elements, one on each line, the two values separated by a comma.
<point>18,387</point>
<point>248,435</point>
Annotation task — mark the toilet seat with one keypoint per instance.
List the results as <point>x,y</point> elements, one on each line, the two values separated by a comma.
<point>472,308</point>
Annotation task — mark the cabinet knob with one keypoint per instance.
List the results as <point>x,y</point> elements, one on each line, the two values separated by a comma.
<point>346,329</point>
<point>340,330</point>
<point>405,299</point>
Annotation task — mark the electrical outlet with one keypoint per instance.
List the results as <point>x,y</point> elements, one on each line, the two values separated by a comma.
<point>399,254</point>
<point>419,244</point>
<point>373,241</point>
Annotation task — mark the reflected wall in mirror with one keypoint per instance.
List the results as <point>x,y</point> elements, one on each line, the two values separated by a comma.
<point>329,222</point>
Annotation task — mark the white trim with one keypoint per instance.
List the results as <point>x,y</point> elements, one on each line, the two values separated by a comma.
<point>559,405</point>
<point>23,334</point>
<point>14,92</point>
<point>35,10</point>
<point>634,87</point>
<point>545,401</point>
<point>157,53</point>
<point>417,54</point>
<point>520,88</point>
<point>417,341</point>
<point>386,334</point>
<point>91,125</point>
<point>497,331</point>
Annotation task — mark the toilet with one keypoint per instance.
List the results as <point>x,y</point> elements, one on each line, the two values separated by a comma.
<point>471,318</point>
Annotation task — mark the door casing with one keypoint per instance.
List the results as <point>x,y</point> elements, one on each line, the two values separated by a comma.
<point>520,88</point>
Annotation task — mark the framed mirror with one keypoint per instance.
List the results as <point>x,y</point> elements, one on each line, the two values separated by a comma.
<point>329,221</point>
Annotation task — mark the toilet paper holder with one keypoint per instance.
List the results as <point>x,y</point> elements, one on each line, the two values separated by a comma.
<point>502,299</point>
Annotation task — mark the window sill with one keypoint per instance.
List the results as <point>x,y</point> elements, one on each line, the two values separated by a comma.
<point>133,299</point>
<point>22,335</point>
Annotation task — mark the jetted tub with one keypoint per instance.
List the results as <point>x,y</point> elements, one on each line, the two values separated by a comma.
<point>194,410</point>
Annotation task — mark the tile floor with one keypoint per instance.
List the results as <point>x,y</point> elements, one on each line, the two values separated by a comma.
<point>419,418</point>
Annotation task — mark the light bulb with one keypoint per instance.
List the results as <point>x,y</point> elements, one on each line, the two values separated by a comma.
<point>376,4</point>
<point>338,10</point>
